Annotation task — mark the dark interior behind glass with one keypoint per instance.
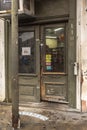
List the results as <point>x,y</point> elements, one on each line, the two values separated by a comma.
<point>26,52</point>
<point>54,49</point>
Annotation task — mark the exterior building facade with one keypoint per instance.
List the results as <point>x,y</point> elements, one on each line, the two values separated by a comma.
<point>52,49</point>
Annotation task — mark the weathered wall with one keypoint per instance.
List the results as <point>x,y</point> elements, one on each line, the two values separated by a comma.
<point>52,8</point>
<point>78,54</point>
<point>2,61</point>
<point>84,49</point>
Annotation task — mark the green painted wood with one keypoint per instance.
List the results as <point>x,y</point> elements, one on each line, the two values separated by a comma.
<point>53,85</point>
<point>29,84</point>
<point>72,53</point>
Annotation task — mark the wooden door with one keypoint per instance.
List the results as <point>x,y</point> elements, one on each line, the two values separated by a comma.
<point>54,63</point>
<point>29,64</point>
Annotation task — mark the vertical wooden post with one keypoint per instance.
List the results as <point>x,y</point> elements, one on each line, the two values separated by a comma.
<point>14,69</point>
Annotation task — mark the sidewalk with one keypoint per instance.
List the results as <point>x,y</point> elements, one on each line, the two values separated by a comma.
<point>44,116</point>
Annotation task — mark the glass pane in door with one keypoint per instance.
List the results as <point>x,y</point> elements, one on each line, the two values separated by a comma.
<point>26,52</point>
<point>54,49</point>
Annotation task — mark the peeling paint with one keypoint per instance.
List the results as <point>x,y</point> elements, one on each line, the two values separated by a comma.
<point>84,49</point>
<point>2,63</point>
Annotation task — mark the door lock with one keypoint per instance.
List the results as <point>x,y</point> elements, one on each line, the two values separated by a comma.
<point>75,68</point>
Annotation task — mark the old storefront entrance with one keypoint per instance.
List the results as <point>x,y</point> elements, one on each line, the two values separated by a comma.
<point>43,63</point>
<point>49,52</point>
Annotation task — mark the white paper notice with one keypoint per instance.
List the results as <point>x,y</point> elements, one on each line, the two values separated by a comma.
<point>26,51</point>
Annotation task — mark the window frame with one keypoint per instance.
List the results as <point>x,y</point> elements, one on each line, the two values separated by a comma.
<point>65,47</point>
<point>26,74</point>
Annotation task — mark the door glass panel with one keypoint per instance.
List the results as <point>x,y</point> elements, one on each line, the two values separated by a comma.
<point>54,49</point>
<point>26,52</point>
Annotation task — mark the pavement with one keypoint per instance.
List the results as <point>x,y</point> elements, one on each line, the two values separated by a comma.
<point>43,116</point>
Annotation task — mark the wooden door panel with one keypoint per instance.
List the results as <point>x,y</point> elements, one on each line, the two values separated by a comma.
<point>29,82</point>
<point>54,67</point>
<point>55,88</point>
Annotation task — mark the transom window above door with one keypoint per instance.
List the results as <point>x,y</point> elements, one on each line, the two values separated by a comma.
<point>54,54</point>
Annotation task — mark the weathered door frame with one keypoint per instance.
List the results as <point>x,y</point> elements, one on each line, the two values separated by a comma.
<point>38,44</point>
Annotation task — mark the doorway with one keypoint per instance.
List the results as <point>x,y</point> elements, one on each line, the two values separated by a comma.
<point>43,63</point>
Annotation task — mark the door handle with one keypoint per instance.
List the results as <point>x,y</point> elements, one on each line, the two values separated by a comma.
<point>75,68</point>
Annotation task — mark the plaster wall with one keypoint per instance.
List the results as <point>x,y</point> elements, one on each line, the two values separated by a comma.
<point>45,8</point>
<point>84,51</point>
<point>2,61</point>
<point>78,54</point>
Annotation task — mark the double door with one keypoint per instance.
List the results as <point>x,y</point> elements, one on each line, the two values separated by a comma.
<point>43,63</point>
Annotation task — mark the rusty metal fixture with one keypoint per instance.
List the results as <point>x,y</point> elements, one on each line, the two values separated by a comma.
<point>81,79</point>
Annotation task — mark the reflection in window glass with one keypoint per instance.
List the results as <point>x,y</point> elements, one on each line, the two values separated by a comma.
<point>26,52</point>
<point>54,49</point>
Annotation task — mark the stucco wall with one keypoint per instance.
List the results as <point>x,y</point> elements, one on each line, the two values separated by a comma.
<point>2,61</point>
<point>84,49</point>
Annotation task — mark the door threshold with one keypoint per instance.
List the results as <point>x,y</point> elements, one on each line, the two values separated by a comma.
<point>56,101</point>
